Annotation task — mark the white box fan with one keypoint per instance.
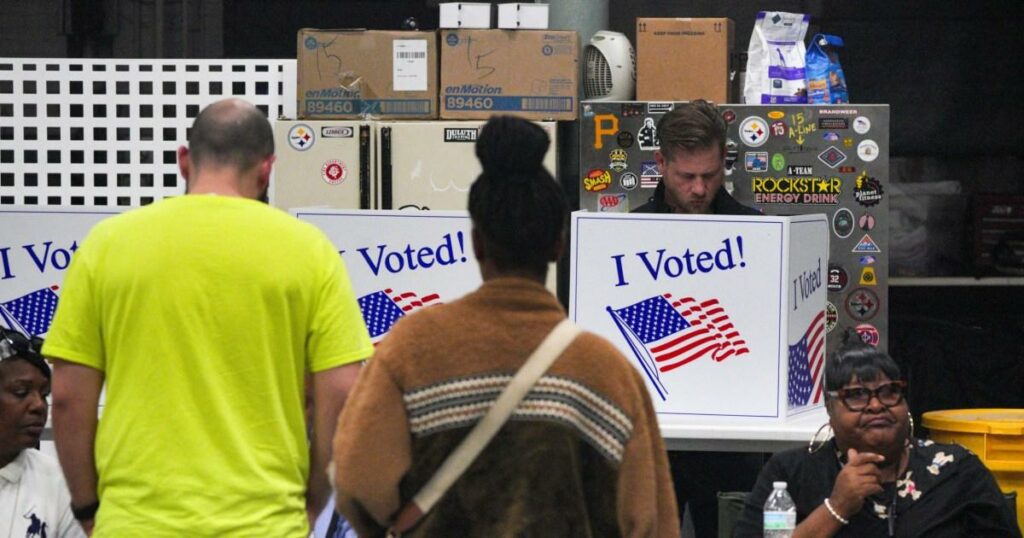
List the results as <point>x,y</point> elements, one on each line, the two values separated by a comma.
<point>610,68</point>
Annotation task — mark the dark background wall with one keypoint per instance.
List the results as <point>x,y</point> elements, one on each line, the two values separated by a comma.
<point>949,69</point>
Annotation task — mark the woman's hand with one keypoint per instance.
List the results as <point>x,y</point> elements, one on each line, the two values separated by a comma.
<point>859,478</point>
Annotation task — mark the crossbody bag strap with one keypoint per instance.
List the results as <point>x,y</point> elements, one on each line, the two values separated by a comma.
<point>460,459</point>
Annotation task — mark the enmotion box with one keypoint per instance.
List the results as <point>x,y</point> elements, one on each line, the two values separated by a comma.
<point>372,74</point>
<point>533,74</point>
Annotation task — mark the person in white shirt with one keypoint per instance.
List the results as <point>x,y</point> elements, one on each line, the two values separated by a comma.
<point>34,499</point>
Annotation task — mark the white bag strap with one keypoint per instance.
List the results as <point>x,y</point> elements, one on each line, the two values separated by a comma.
<point>460,459</point>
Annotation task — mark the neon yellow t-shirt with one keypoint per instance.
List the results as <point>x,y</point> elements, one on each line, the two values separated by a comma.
<point>204,313</point>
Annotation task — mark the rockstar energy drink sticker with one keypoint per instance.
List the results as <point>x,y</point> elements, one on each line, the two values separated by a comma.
<point>796,190</point>
<point>597,180</point>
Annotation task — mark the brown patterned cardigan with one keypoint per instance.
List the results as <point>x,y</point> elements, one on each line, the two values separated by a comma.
<point>581,456</point>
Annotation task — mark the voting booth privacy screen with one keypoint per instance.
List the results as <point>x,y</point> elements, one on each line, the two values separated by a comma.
<point>723,316</point>
<point>36,246</point>
<point>400,261</point>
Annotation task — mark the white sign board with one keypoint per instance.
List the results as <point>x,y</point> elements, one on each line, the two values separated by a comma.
<point>399,261</point>
<point>36,246</point>
<point>722,315</point>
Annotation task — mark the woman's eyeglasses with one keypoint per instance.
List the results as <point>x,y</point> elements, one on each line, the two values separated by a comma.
<point>858,398</point>
<point>14,343</point>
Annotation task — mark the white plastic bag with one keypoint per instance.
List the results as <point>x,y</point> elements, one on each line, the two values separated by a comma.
<point>775,59</point>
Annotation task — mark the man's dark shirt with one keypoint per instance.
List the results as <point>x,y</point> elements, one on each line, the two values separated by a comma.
<point>723,204</point>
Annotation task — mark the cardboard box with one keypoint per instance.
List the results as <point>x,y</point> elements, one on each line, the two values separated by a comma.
<point>683,59</point>
<point>532,74</point>
<point>465,15</point>
<point>351,74</point>
<point>520,16</point>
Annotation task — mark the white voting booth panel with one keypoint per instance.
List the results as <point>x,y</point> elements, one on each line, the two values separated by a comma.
<point>400,261</point>
<point>722,315</point>
<point>36,246</point>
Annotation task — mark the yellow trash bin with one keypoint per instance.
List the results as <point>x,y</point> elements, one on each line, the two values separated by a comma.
<point>995,435</point>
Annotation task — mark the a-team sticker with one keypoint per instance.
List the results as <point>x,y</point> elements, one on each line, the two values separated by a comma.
<point>837,278</point>
<point>842,223</point>
<point>597,180</point>
<point>830,136</point>
<point>301,137</point>
<point>755,161</point>
<point>831,316</point>
<point>754,131</point>
<point>862,304</point>
<point>867,190</point>
<point>868,334</point>
<point>333,171</point>
<point>866,244</point>
<point>629,181</point>
<point>867,150</point>
<point>861,125</point>
<point>866,222</point>
<point>868,260</point>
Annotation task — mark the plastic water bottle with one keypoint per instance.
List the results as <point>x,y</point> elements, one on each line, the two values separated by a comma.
<point>779,513</point>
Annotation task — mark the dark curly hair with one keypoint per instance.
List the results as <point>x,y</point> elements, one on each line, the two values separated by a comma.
<point>516,205</point>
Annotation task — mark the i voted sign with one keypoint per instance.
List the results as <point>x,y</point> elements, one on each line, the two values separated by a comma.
<point>400,261</point>
<point>36,248</point>
<point>720,314</point>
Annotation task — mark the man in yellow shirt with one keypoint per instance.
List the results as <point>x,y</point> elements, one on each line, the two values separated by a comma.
<point>202,314</point>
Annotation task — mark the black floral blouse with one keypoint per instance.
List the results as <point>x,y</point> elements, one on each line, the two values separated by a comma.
<point>946,491</point>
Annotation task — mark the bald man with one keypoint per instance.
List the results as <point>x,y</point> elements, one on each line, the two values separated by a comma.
<point>202,314</point>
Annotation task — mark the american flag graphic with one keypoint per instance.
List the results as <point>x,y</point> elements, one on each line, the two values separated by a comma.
<point>666,333</point>
<point>806,364</point>
<point>381,309</point>
<point>32,313</point>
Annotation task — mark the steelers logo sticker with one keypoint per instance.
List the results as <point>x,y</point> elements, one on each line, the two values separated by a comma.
<point>754,131</point>
<point>301,137</point>
<point>862,304</point>
<point>333,172</point>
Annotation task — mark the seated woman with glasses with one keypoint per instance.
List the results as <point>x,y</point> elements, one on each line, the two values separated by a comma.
<point>34,499</point>
<point>873,478</point>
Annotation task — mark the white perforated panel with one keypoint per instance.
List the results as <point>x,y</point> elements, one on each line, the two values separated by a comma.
<point>105,132</point>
